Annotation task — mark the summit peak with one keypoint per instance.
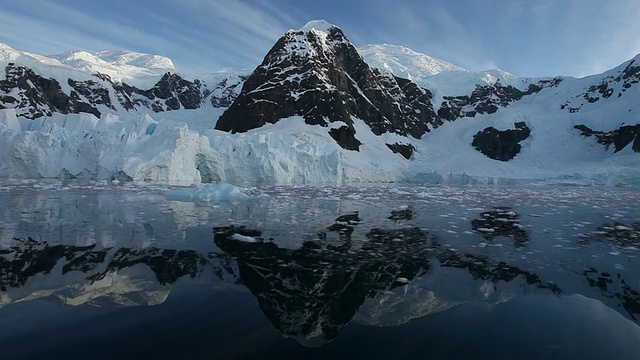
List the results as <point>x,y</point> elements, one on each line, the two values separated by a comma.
<point>319,25</point>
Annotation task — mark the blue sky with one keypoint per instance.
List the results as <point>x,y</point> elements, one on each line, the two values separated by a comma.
<point>527,38</point>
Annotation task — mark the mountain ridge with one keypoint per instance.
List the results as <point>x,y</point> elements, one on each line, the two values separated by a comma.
<point>320,76</point>
<point>314,91</point>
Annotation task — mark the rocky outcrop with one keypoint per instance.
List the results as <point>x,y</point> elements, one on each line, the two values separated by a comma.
<point>630,75</point>
<point>319,76</point>
<point>618,84</point>
<point>487,99</point>
<point>619,138</point>
<point>171,92</point>
<point>346,137</point>
<point>226,92</point>
<point>406,150</point>
<point>501,145</point>
<point>34,96</point>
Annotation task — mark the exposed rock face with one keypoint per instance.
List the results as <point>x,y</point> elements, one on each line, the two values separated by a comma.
<point>487,99</point>
<point>630,75</point>
<point>605,89</point>
<point>345,136</point>
<point>171,92</point>
<point>405,150</point>
<point>319,75</point>
<point>501,145</point>
<point>226,92</point>
<point>177,92</point>
<point>34,96</point>
<point>620,137</point>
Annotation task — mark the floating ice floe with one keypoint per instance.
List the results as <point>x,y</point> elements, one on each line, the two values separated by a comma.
<point>623,228</point>
<point>243,238</point>
<point>207,193</point>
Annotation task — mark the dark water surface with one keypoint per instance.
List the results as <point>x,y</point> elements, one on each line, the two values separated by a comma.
<point>378,272</point>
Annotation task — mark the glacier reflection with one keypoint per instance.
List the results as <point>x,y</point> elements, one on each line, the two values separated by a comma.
<point>317,260</point>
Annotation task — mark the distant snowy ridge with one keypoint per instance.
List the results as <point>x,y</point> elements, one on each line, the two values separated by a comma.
<point>115,82</point>
<point>440,77</point>
<point>134,68</point>
<point>404,62</point>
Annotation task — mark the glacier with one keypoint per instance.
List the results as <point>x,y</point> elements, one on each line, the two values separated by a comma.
<point>140,148</point>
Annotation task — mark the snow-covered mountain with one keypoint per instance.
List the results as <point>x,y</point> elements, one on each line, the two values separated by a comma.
<point>121,66</point>
<point>317,110</point>
<point>317,74</point>
<point>404,62</point>
<point>440,77</point>
<point>101,83</point>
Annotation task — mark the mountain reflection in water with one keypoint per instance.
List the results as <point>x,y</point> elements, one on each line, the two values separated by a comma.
<point>314,291</point>
<point>386,270</point>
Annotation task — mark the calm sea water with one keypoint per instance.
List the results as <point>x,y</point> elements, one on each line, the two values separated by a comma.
<point>376,272</point>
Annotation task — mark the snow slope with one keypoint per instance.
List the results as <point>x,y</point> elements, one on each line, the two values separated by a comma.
<point>137,69</point>
<point>439,76</point>
<point>404,62</point>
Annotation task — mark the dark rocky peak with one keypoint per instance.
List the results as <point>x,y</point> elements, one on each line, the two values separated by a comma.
<point>487,99</point>
<point>171,92</point>
<point>183,93</point>
<point>317,74</point>
<point>91,92</point>
<point>34,96</point>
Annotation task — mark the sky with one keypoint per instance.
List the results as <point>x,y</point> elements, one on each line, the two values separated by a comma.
<point>524,37</point>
